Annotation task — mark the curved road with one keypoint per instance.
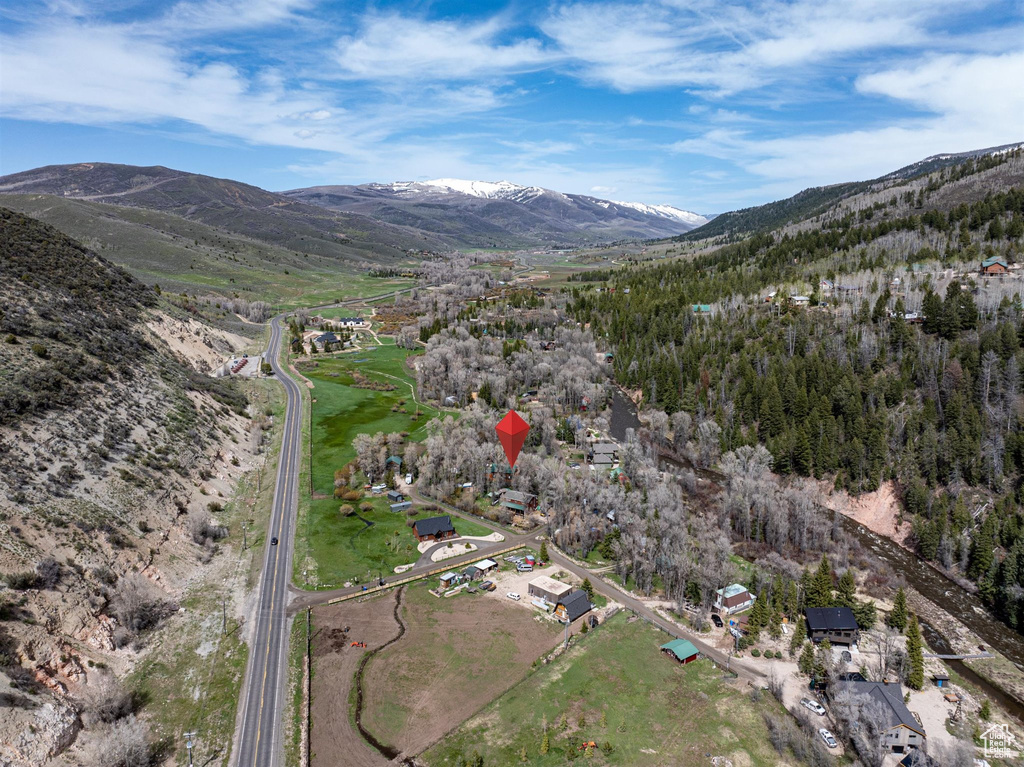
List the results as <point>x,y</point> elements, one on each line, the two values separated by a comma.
<point>258,733</point>
<point>263,697</point>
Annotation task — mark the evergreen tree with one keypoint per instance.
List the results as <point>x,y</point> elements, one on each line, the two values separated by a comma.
<point>866,614</point>
<point>846,589</point>
<point>915,654</point>
<point>773,419</point>
<point>898,617</point>
<point>806,662</point>
<point>820,594</point>
<point>589,588</point>
<point>545,743</point>
<point>760,615</point>
<point>543,551</point>
<point>799,637</point>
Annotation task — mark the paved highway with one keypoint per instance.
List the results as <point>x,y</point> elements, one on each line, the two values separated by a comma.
<point>259,741</point>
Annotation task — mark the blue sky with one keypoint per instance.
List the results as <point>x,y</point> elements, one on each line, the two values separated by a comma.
<point>705,105</point>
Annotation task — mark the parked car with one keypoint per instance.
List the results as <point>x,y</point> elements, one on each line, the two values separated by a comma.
<point>813,705</point>
<point>513,596</point>
<point>524,567</point>
<point>488,586</point>
<point>273,541</point>
<point>847,657</point>
<point>408,478</point>
<point>717,620</point>
<point>826,736</point>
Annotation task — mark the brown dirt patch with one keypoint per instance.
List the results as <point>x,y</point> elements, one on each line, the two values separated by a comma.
<point>333,738</point>
<point>456,656</point>
<point>878,511</point>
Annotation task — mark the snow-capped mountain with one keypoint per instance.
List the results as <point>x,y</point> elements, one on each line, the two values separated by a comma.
<point>503,214</point>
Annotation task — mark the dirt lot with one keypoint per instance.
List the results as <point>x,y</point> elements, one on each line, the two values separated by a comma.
<point>456,656</point>
<point>333,738</point>
<point>510,579</point>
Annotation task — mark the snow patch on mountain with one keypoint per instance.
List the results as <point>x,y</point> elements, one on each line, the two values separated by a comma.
<point>666,211</point>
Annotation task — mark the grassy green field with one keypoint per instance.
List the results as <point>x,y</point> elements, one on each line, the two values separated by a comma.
<point>616,672</point>
<point>332,549</point>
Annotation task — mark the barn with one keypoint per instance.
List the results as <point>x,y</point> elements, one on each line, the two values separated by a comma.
<point>572,606</point>
<point>682,650</point>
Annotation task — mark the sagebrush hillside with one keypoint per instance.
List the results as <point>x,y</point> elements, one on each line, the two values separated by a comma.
<point>109,448</point>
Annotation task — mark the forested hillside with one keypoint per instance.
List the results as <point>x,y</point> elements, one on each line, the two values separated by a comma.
<point>901,361</point>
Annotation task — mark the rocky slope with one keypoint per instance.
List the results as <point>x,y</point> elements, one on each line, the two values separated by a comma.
<point>112,449</point>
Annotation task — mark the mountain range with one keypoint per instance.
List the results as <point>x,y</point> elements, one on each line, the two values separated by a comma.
<point>502,214</point>
<point>372,222</point>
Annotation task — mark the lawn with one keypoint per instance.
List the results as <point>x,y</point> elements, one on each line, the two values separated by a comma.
<point>615,687</point>
<point>330,548</point>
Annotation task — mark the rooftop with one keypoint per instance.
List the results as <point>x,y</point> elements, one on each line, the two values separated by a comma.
<point>681,648</point>
<point>831,619</point>
<point>550,585</point>
<point>731,591</point>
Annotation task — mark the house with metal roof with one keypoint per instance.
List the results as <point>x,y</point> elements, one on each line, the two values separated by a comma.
<point>994,266</point>
<point>433,528</point>
<point>515,500</point>
<point>401,506</point>
<point>836,624</point>
<point>573,606</point>
<point>733,599</point>
<point>682,650</point>
<point>393,460</point>
<point>901,731</point>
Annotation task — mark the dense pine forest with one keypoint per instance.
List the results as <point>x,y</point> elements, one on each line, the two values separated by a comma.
<point>860,346</point>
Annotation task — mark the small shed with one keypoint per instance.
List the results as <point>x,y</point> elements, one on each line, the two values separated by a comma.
<point>450,579</point>
<point>682,650</point>
<point>394,496</point>
<point>486,566</point>
<point>941,679</point>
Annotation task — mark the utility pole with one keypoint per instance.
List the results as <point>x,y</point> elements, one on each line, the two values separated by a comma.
<point>245,537</point>
<point>189,744</point>
<point>224,614</point>
<point>567,633</point>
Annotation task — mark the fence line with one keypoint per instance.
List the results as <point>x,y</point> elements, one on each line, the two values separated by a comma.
<point>418,576</point>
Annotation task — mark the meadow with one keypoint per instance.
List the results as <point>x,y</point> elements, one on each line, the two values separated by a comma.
<point>593,693</point>
<point>331,548</point>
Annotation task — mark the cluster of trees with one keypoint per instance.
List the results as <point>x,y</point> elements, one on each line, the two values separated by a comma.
<point>458,362</point>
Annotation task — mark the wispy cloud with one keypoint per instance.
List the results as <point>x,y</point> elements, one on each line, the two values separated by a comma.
<point>665,100</point>
<point>397,48</point>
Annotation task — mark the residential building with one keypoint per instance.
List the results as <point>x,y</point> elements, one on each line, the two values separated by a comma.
<point>836,624</point>
<point>326,340</point>
<point>799,300</point>
<point>901,732</point>
<point>393,460</point>
<point>733,599</point>
<point>349,322</point>
<point>434,529</point>
<point>516,501</point>
<point>572,606</point>
<point>682,650</point>
<point>994,267</point>
<point>548,589</point>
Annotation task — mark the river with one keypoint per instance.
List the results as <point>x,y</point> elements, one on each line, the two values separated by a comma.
<point>926,580</point>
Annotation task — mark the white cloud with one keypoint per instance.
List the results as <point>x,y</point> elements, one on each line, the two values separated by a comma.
<point>390,47</point>
<point>973,102</point>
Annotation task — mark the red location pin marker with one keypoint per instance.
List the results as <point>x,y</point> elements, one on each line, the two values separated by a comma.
<point>512,432</point>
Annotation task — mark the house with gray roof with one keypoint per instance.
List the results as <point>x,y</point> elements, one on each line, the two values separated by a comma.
<point>901,732</point>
